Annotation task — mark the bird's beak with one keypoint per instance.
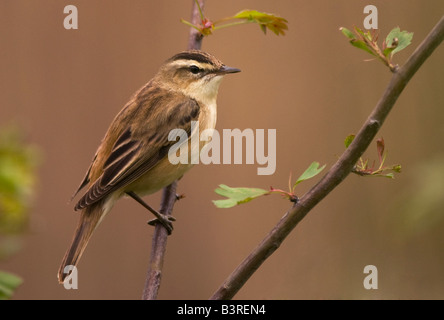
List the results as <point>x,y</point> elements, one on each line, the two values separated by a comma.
<point>225,70</point>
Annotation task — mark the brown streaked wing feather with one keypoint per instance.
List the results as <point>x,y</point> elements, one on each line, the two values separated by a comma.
<point>85,180</point>
<point>137,150</point>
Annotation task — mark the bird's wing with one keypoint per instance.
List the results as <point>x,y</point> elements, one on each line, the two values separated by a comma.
<point>140,146</point>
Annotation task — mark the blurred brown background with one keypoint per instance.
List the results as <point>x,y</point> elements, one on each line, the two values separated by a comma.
<point>63,88</point>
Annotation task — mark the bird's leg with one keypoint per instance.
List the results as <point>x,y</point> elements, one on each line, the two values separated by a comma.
<point>165,220</point>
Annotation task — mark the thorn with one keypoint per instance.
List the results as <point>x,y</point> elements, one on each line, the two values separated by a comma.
<point>294,198</point>
<point>180,196</point>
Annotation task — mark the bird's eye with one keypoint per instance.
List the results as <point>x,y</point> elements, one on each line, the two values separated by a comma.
<point>195,69</point>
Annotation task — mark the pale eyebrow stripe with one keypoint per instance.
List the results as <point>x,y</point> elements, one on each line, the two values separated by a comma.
<point>187,63</point>
<point>193,56</point>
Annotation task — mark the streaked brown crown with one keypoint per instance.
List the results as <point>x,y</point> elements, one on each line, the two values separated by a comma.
<point>199,56</point>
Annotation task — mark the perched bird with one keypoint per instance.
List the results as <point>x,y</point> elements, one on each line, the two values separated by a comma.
<point>132,158</point>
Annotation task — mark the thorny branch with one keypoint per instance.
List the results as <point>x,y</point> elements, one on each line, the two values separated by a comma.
<point>340,170</point>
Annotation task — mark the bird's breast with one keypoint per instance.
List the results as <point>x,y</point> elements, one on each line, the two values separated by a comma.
<point>208,117</point>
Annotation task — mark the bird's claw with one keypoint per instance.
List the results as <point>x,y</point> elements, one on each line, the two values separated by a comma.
<point>165,220</point>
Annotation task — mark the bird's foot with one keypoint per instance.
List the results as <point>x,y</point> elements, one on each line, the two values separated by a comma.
<point>165,220</point>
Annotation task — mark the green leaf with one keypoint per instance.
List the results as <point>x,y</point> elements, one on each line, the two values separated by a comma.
<point>381,175</point>
<point>404,39</point>
<point>237,195</point>
<point>348,33</point>
<point>365,35</point>
<point>360,44</point>
<point>311,171</point>
<point>8,283</point>
<point>349,140</point>
<point>265,20</point>
<point>388,51</point>
<point>359,31</point>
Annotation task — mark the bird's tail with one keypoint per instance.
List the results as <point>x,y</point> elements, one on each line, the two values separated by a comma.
<point>90,218</point>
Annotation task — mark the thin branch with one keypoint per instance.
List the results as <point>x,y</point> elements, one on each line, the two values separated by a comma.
<point>158,246</point>
<point>195,38</point>
<point>160,236</point>
<point>340,170</point>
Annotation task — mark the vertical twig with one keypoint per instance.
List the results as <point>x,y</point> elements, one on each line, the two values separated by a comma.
<point>160,236</point>
<point>158,245</point>
<point>195,38</point>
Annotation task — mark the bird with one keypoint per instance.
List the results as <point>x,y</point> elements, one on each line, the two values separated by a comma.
<point>132,159</point>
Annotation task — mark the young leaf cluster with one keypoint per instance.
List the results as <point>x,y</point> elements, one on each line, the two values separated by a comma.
<point>236,196</point>
<point>269,21</point>
<point>395,41</point>
<point>363,168</point>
